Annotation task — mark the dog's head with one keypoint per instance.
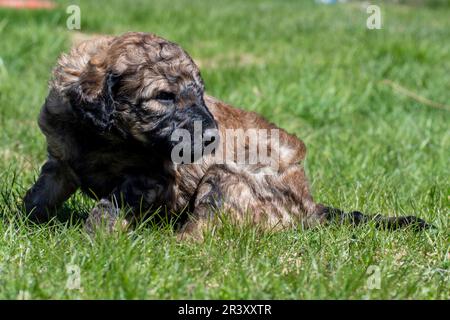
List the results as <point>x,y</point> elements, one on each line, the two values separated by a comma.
<point>136,85</point>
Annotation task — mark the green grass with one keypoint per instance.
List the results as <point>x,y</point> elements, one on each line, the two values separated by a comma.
<point>312,69</point>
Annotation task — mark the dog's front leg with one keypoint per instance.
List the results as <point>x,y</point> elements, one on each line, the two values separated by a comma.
<point>56,183</point>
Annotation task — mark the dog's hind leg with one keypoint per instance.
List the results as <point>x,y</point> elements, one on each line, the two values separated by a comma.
<point>56,183</point>
<point>209,199</point>
<point>226,191</point>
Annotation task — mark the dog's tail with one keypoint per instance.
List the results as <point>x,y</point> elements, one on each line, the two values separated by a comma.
<point>382,222</point>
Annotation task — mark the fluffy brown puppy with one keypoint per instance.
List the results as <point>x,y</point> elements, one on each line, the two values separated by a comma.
<point>114,106</point>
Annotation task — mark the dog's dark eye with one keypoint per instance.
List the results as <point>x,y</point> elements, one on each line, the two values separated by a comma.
<point>165,96</point>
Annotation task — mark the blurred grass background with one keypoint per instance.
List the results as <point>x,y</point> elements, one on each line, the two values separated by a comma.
<point>313,69</point>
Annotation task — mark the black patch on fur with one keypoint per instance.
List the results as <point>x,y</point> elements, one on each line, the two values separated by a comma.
<point>97,112</point>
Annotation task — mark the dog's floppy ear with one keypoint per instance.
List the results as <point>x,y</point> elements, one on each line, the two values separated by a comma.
<point>93,99</point>
<point>83,76</point>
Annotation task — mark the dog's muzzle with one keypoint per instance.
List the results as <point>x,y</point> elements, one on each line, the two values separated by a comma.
<point>193,133</point>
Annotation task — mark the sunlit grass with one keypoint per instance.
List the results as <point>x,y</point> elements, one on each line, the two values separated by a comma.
<point>312,69</point>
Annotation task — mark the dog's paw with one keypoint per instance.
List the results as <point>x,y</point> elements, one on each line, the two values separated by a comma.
<point>105,215</point>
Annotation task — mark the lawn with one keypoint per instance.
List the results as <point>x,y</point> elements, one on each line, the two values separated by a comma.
<point>315,70</point>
